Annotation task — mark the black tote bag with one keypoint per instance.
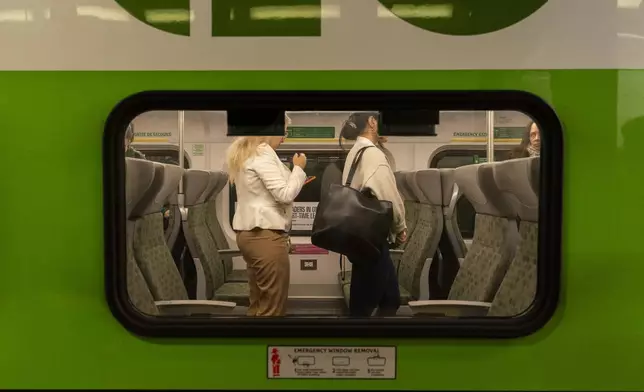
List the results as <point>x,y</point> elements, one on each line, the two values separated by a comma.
<point>350,222</point>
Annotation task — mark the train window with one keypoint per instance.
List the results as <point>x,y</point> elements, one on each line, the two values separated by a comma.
<point>222,243</point>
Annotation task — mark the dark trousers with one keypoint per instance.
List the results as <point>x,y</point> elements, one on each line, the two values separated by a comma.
<point>374,285</point>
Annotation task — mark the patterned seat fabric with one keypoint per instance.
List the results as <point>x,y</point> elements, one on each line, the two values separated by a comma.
<point>518,289</point>
<point>155,259</point>
<point>139,177</point>
<point>495,236</point>
<point>423,242</point>
<point>486,262</point>
<point>518,180</point>
<point>197,190</point>
<point>150,248</point>
<point>137,287</point>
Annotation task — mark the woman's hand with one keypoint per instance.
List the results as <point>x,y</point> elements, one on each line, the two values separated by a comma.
<point>299,159</point>
<point>401,238</point>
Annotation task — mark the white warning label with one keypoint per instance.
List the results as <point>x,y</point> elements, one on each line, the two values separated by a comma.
<point>332,362</point>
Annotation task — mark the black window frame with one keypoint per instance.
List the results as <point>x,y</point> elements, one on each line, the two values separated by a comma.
<point>550,215</point>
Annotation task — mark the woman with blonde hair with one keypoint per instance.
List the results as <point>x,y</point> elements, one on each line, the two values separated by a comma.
<point>265,190</point>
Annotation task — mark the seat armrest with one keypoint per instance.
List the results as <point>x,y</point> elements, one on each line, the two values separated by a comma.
<point>396,254</point>
<point>447,308</point>
<point>229,253</point>
<point>191,306</point>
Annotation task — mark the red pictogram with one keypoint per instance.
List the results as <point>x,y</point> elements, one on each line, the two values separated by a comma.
<point>276,361</point>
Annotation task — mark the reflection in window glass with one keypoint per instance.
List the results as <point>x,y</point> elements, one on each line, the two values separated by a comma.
<point>187,227</point>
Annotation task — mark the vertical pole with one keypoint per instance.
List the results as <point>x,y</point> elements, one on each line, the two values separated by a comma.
<point>489,117</point>
<point>181,124</point>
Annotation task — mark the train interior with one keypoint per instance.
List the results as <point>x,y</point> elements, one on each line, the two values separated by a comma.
<point>471,212</point>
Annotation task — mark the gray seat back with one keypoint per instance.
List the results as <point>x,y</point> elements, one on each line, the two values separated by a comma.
<point>150,248</point>
<point>451,194</point>
<point>426,186</point>
<point>409,200</point>
<point>515,178</point>
<point>212,219</point>
<point>495,236</point>
<point>139,175</point>
<point>198,185</point>
<point>212,222</point>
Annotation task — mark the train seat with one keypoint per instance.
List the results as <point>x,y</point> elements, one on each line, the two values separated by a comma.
<point>139,176</point>
<point>198,185</point>
<point>424,186</point>
<point>515,179</point>
<point>493,246</point>
<point>423,243</point>
<point>150,248</point>
<point>226,253</point>
<point>153,257</point>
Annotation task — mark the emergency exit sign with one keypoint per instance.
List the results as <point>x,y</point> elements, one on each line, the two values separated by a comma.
<point>311,132</point>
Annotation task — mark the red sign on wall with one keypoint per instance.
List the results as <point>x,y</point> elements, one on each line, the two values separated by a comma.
<point>308,249</point>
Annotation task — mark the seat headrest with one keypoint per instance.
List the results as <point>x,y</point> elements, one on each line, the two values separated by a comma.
<point>222,183</point>
<point>410,188</point>
<point>139,175</point>
<point>428,183</point>
<point>535,175</point>
<point>513,179</point>
<point>447,185</point>
<point>170,183</point>
<point>401,184</point>
<point>478,186</point>
<point>195,183</point>
<point>151,193</point>
<point>213,184</point>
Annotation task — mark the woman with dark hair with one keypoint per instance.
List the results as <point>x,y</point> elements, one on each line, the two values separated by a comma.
<point>530,144</point>
<point>374,284</point>
<point>131,152</point>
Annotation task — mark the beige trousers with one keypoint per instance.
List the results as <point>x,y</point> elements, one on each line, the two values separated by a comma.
<point>269,272</point>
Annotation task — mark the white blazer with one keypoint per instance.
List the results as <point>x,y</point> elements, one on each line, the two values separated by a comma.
<point>266,189</point>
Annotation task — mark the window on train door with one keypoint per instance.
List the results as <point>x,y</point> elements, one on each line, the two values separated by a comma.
<point>239,260</point>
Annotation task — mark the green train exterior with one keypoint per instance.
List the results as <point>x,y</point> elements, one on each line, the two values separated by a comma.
<point>58,331</point>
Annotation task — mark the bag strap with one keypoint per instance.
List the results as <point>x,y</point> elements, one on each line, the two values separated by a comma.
<point>354,165</point>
